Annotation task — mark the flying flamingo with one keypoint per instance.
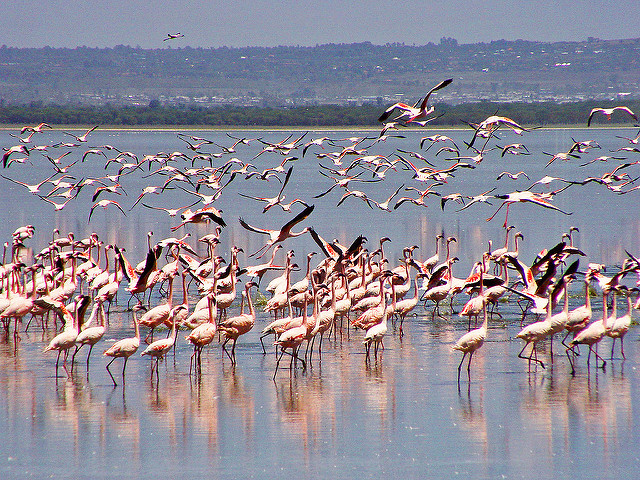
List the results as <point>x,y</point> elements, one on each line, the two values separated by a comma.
<point>415,112</point>
<point>104,204</point>
<point>83,137</point>
<point>524,196</point>
<point>609,111</point>
<point>277,236</point>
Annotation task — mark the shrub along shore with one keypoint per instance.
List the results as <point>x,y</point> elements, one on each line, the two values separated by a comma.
<point>538,114</point>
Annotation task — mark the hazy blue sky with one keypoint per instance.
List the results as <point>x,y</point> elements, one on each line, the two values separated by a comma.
<point>214,23</point>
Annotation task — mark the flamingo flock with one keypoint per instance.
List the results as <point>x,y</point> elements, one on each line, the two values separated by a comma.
<point>354,282</point>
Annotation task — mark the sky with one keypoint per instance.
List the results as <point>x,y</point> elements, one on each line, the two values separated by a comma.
<point>215,23</point>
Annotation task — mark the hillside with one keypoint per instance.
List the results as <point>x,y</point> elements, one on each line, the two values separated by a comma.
<point>500,71</point>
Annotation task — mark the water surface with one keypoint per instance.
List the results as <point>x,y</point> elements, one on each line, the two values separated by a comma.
<point>342,417</point>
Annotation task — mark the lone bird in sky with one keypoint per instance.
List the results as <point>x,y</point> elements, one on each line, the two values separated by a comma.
<point>173,36</point>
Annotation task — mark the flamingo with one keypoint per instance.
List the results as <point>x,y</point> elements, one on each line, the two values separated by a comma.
<point>83,137</point>
<point>579,317</point>
<point>522,197</point>
<point>494,122</point>
<point>126,347</point>
<point>376,333</point>
<point>278,236</point>
<point>38,128</point>
<point>591,335</point>
<point>67,339</point>
<point>203,334</point>
<point>619,326</point>
<point>158,349</point>
<point>406,306</point>
<point>158,314</point>
<point>90,335</point>
<point>414,113</point>
<point>273,201</point>
<point>11,150</point>
<point>474,339</point>
<point>292,339</point>
<point>104,204</point>
<point>609,111</point>
<point>233,327</point>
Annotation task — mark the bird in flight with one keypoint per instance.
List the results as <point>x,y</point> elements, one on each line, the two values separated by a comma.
<point>83,137</point>
<point>173,36</point>
<point>104,204</point>
<point>411,114</point>
<point>277,236</point>
<point>609,111</point>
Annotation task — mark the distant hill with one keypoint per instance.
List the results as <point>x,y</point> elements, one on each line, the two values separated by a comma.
<point>346,74</point>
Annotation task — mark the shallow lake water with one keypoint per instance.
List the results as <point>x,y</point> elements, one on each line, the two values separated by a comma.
<point>403,414</point>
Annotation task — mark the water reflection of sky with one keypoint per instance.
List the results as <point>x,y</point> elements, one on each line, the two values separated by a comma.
<point>342,417</point>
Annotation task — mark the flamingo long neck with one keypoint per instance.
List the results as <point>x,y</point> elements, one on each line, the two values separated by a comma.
<point>106,258</point>
<point>185,298</point>
<point>273,256</point>
<point>170,299</point>
<point>614,314</point>
<point>393,297</point>
<point>347,287</point>
<point>604,311</point>
<point>233,280</point>
<point>383,298</point>
<point>286,292</point>
<point>304,313</point>
<point>174,330</point>
<point>333,294</point>
<point>33,279</point>
<point>252,312</point>
<point>587,297</point>
<point>135,325</point>
<point>213,310</point>
<point>415,286</point>
<point>448,250</point>
<point>506,240</point>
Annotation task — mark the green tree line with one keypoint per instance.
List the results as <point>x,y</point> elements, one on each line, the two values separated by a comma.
<point>530,114</point>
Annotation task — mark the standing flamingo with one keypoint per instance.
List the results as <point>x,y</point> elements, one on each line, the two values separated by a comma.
<point>158,349</point>
<point>473,340</point>
<point>203,334</point>
<point>619,326</point>
<point>591,335</point>
<point>67,339</point>
<point>233,327</point>
<point>126,347</point>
